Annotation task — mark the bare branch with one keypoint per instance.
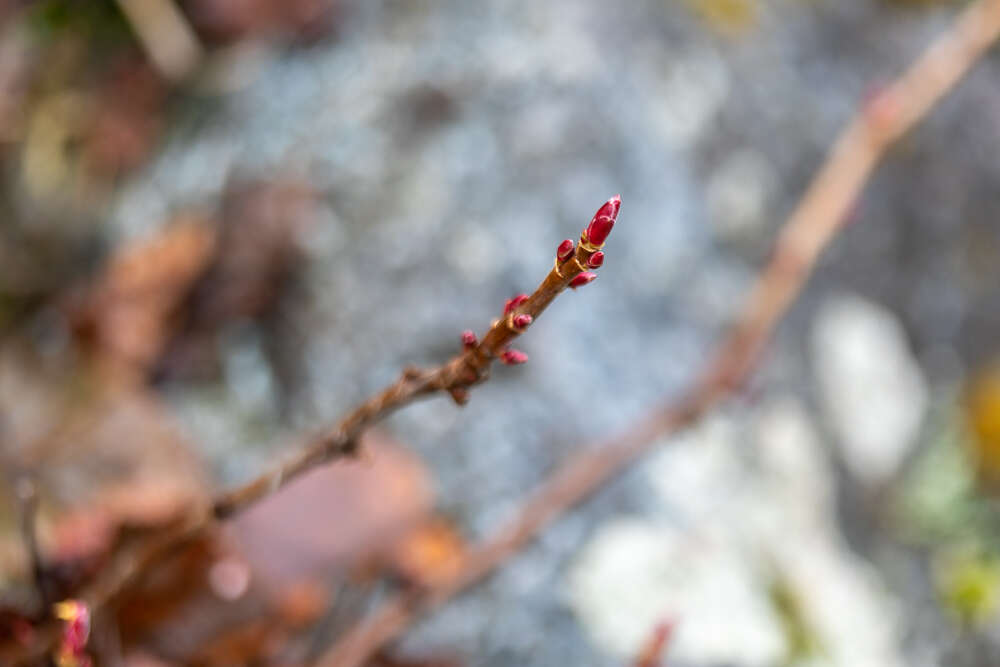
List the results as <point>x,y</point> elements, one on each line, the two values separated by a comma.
<point>466,369</point>
<point>572,268</point>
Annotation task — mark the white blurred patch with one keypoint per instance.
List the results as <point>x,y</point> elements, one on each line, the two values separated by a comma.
<point>471,252</point>
<point>746,503</point>
<point>633,575</point>
<point>738,194</point>
<point>873,390</point>
<point>691,92</point>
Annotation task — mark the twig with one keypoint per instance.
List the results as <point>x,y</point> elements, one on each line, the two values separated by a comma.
<point>656,645</point>
<point>466,369</point>
<point>806,233</point>
<point>572,269</point>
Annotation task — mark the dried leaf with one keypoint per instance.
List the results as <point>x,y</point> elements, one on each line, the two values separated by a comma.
<point>336,517</point>
<point>429,553</point>
<point>128,314</point>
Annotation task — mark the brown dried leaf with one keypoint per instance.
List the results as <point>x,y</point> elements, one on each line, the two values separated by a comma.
<point>104,458</point>
<point>336,517</point>
<point>429,553</point>
<point>128,315</point>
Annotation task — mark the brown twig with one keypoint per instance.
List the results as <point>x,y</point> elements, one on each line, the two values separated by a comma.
<point>456,377</point>
<point>466,369</point>
<point>806,233</point>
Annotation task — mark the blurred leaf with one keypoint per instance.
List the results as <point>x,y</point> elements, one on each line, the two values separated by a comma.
<point>938,500</point>
<point>106,460</point>
<point>803,643</point>
<point>101,20</point>
<point>252,268</point>
<point>431,552</point>
<point>969,585</point>
<point>982,409</point>
<point>364,510</point>
<point>128,316</point>
<point>726,16</point>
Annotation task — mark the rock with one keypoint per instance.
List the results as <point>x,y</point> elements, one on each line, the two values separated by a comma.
<point>746,540</point>
<point>738,194</point>
<point>873,391</point>
<point>634,575</point>
<point>688,98</point>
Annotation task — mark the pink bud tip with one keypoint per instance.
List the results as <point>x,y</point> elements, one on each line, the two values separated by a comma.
<point>602,222</point>
<point>513,304</point>
<point>522,320</point>
<point>76,616</point>
<point>513,357</point>
<point>596,260</point>
<point>582,279</point>
<point>564,250</point>
<point>468,339</point>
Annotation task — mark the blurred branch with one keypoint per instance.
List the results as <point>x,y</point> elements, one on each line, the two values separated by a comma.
<point>165,35</point>
<point>656,645</point>
<point>27,499</point>
<point>809,229</point>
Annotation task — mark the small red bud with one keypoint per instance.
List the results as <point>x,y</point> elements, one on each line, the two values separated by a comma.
<point>596,260</point>
<point>513,357</point>
<point>582,279</point>
<point>565,250</point>
<point>602,222</point>
<point>522,320</point>
<point>76,630</point>
<point>468,339</point>
<point>514,303</point>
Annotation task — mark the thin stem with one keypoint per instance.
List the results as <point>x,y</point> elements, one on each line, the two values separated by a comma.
<point>455,377</point>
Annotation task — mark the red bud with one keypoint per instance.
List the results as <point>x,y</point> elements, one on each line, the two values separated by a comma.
<point>602,222</point>
<point>582,279</point>
<point>513,304</point>
<point>522,320</point>
<point>610,208</point>
<point>468,339</point>
<point>565,250</point>
<point>596,260</point>
<point>76,630</point>
<point>599,229</point>
<point>513,357</point>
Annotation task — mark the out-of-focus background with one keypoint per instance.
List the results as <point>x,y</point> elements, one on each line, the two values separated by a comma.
<point>224,222</point>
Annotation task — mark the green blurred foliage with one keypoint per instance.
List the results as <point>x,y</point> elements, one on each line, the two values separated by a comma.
<point>968,583</point>
<point>941,507</point>
<point>98,21</point>
<point>939,499</point>
<point>803,643</point>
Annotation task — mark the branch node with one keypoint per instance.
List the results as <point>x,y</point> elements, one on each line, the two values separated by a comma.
<point>518,323</point>
<point>459,394</point>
